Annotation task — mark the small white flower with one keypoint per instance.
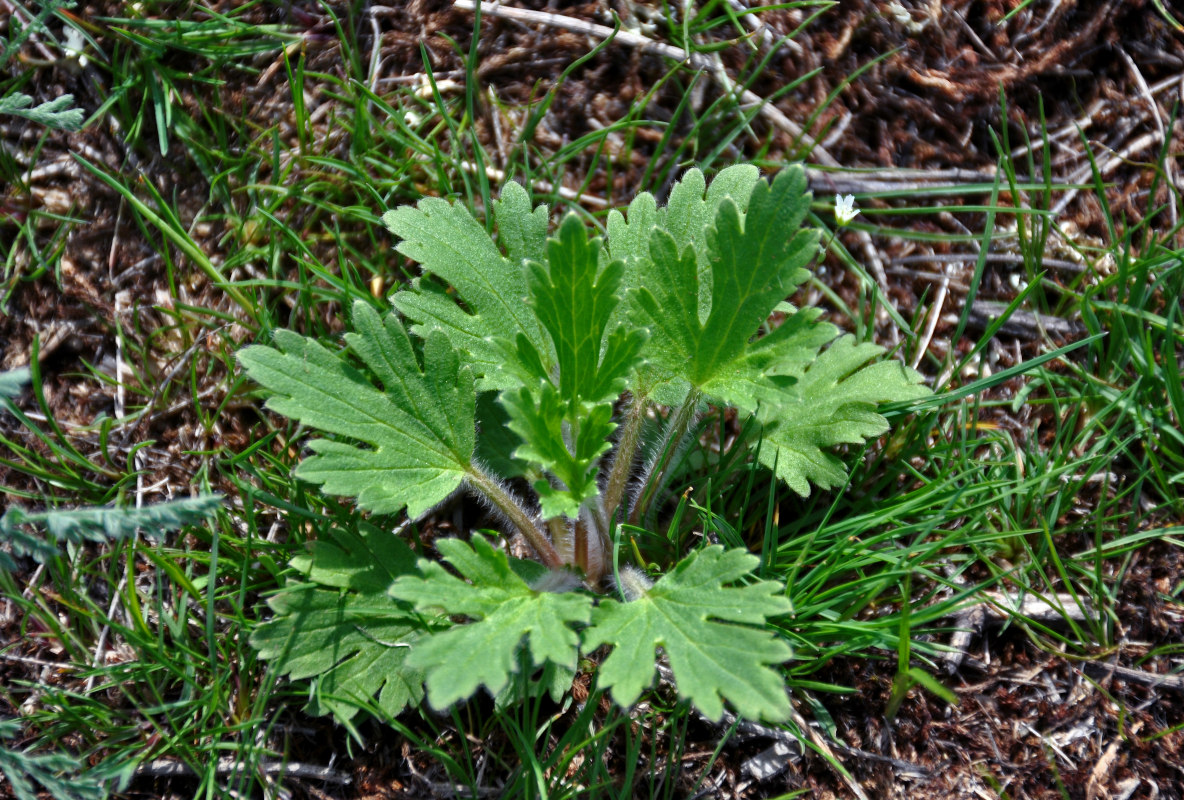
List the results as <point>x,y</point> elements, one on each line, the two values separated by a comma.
<point>74,46</point>
<point>900,14</point>
<point>845,209</point>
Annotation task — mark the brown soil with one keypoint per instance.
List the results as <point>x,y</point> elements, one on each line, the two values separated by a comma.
<point>1031,722</point>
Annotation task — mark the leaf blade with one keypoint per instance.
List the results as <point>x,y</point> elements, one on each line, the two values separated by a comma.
<point>754,259</point>
<point>509,618</point>
<point>449,243</point>
<point>834,401</point>
<point>575,297</point>
<point>341,629</point>
<point>420,432</point>
<point>539,418</point>
<point>687,612</point>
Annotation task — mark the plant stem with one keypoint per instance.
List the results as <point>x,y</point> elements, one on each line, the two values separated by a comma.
<point>524,521</point>
<point>562,537</point>
<point>590,547</point>
<point>623,458</point>
<point>655,473</point>
<point>581,545</point>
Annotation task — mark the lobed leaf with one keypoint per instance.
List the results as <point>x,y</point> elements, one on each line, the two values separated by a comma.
<point>539,419</point>
<point>366,561</point>
<point>448,242</point>
<point>574,299</point>
<point>688,613</point>
<point>510,621</point>
<point>686,217</point>
<point>342,629</point>
<point>420,428</point>
<point>694,205</point>
<point>833,401</point>
<point>772,363</point>
<point>97,525</point>
<point>755,260</point>
<point>563,414</point>
<point>62,775</point>
<point>356,647</point>
<point>57,114</point>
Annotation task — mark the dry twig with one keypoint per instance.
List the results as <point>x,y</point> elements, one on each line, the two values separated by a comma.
<point>696,60</point>
<point>170,767</point>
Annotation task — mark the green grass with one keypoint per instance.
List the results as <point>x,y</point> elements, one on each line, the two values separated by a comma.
<point>1043,480</point>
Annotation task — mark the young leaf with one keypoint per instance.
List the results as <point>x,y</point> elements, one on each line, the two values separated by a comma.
<point>421,428</point>
<point>539,419</point>
<point>574,299</point>
<point>687,612</point>
<point>565,420</point>
<point>444,238</point>
<point>507,615</point>
<point>352,638</point>
<point>833,401</point>
<point>756,259</point>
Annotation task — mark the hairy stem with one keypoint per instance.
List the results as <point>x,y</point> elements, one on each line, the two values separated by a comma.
<point>623,457</point>
<point>655,473</point>
<point>590,547</point>
<point>563,539</point>
<point>512,507</point>
<point>581,545</point>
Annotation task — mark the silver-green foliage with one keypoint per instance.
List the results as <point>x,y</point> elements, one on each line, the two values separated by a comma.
<point>663,311</point>
<point>57,114</point>
<point>76,525</point>
<point>63,776</point>
<point>19,529</point>
<point>12,382</point>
